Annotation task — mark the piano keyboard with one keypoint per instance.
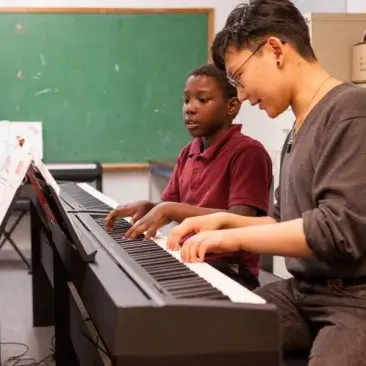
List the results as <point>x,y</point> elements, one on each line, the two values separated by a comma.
<point>182,280</point>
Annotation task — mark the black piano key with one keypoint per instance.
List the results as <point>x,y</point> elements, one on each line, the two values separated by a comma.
<point>169,271</point>
<point>195,292</point>
<point>161,278</point>
<point>141,249</point>
<point>174,283</point>
<point>136,253</point>
<point>177,283</point>
<point>147,255</point>
<point>152,263</point>
<point>218,296</point>
<point>172,275</point>
<point>201,286</point>
<point>120,239</point>
<point>129,243</point>
<point>171,267</point>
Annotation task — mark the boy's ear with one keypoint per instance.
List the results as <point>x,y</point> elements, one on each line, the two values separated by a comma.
<point>234,106</point>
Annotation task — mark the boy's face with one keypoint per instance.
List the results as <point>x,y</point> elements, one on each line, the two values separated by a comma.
<point>205,109</point>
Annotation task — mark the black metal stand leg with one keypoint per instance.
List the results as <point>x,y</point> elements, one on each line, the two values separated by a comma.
<point>12,228</point>
<point>42,292</point>
<point>7,237</point>
<point>21,255</point>
<point>65,354</point>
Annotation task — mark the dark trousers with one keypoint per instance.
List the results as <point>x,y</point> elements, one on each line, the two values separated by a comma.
<point>243,276</point>
<point>327,320</point>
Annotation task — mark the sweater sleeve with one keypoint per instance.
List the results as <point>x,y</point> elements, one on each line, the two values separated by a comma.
<point>335,229</point>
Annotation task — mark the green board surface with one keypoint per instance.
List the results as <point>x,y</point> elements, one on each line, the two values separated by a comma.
<point>107,87</point>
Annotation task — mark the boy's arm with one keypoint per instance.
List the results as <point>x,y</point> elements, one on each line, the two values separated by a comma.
<point>171,192</point>
<point>178,212</point>
<point>250,181</point>
<point>166,212</point>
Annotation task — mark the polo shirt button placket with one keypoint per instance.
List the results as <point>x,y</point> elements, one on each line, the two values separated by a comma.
<point>195,171</point>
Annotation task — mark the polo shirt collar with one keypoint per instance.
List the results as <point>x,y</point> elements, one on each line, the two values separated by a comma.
<point>214,149</point>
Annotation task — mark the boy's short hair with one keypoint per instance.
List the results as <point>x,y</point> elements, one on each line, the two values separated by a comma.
<point>220,76</point>
<point>251,23</point>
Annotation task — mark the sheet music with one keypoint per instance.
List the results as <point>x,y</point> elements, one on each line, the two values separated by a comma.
<point>14,163</point>
<point>32,131</point>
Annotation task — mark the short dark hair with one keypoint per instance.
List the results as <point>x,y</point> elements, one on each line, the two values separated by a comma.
<point>250,24</point>
<point>220,76</point>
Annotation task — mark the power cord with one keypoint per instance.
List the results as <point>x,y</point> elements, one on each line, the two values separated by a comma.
<point>21,360</point>
<point>94,343</point>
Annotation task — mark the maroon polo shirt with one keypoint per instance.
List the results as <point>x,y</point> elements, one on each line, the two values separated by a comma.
<point>234,170</point>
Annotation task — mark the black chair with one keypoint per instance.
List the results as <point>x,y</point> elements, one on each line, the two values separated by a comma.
<point>296,358</point>
<point>78,172</point>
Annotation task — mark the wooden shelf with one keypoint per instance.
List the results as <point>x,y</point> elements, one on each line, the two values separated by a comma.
<point>125,167</point>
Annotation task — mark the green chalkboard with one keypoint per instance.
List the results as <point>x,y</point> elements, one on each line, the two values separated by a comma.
<point>107,86</point>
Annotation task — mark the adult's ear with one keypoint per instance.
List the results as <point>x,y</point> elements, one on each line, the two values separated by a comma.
<point>276,47</point>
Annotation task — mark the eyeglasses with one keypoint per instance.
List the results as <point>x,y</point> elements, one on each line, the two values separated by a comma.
<point>233,79</point>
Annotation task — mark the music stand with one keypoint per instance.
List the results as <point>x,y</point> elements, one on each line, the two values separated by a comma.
<point>56,213</point>
<point>6,234</point>
<point>15,162</point>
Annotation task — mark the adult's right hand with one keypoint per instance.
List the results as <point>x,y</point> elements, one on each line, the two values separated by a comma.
<point>135,210</point>
<point>193,225</point>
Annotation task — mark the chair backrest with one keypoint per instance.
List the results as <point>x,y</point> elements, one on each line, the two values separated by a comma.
<point>267,277</point>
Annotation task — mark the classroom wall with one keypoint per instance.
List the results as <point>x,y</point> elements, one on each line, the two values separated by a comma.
<point>356,6</point>
<point>334,6</point>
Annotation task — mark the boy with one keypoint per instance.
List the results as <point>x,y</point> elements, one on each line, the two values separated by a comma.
<point>319,221</point>
<point>220,170</point>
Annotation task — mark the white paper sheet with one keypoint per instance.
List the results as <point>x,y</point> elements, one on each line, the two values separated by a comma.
<point>14,164</point>
<point>32,131</point>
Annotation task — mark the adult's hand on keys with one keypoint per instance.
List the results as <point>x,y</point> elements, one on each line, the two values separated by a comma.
<point>194,225</point>
<point>151,222</point>
<point>195,248</point>
<point>134,210</point>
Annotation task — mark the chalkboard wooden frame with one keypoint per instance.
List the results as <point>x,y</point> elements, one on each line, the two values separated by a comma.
<point>114,167</point>
<point>209,11</point>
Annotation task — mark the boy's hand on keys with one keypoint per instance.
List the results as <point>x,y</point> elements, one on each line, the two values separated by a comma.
<point>150,223</point>
<point>135,210</point>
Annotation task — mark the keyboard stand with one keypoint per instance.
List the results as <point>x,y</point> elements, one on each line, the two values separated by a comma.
<point>21,206</point>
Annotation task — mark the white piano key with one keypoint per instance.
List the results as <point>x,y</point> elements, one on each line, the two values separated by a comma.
<point>229,287</point>
<point>98,195</point>
<point>226,285</point>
